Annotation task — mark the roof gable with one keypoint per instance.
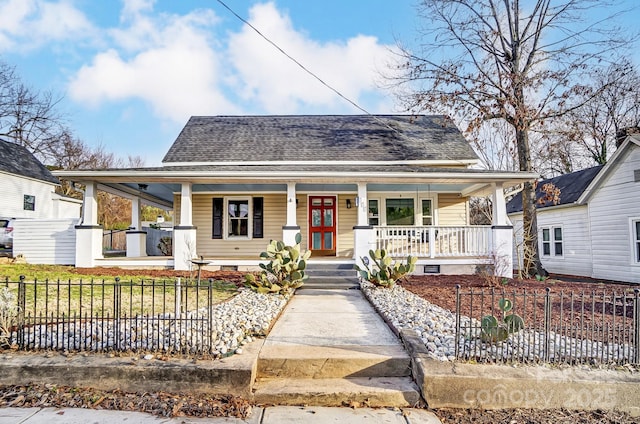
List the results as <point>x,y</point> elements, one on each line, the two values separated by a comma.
<point>225,139</point>
<point>15,159</point>
<point>571,188</point>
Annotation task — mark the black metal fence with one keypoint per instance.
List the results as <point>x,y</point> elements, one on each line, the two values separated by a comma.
<point>150,316</point>
<point>596,327</point>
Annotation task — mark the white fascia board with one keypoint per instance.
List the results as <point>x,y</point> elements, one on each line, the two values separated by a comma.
<point>606,170</point>
<point>447,162</point>
<point>193,176</point>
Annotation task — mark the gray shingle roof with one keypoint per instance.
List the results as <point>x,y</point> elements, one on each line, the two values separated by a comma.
<point>319,138</point>
<point>571,188</point>
<point>15,159</point>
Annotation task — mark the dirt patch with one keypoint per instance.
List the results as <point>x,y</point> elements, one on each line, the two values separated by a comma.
<point>235,277</point>
<point>531,416</point>
<point>604,303</point>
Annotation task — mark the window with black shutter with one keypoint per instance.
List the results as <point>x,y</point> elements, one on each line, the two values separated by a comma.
<point>218,210</point>
<point>258,222</point>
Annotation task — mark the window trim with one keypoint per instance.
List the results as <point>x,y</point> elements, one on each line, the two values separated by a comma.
<point>552,241</point>
<point>420,217</point>
<point>635,241</point>
<point>225,218</point>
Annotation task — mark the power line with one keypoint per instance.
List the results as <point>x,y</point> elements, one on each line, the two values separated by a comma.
<point>293,59</point>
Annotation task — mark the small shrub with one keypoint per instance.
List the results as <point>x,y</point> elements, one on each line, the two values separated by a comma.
<point>285,270</point>
<point>8,315</point>
<point>386,272</point>
<point>166,246</point>
<point>492,330</point>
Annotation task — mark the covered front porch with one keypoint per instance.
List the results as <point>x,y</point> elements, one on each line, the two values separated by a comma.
<point>229,219</point>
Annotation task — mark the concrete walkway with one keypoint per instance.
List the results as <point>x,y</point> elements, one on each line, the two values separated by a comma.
<point>271,415</point>
<point>329,348</point>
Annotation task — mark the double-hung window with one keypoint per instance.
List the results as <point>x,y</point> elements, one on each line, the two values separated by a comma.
<point>552,241</point>
<point>237,217</point>
<point>635,237</point>
<point>374,212</point>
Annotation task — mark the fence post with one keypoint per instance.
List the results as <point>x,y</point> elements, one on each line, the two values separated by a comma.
<point>22,306</point>
<point>117,306</point>
<point>636,326</point>
<point>178,296</point>
<point>547,323</point>
<point>457,340</point>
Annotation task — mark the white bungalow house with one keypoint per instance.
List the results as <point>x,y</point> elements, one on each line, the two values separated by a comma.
<point>346,183</point>
<point>594,229</point>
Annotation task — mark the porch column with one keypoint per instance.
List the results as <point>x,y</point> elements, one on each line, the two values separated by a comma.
<point>502,235</point>
<point>364,240</point>
<point>363,205</point>
<point>291,228</point>
<point>184,235</point>
<point>89,233</point>
<point>136,238</point>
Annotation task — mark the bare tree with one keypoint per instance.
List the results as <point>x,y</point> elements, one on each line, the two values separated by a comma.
<point>588,134</point>
<point>499,59</point>
<point>27,117</point>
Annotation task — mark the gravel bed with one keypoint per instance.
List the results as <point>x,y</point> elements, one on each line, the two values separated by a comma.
<point>436,327</point>
<point>226,327</point>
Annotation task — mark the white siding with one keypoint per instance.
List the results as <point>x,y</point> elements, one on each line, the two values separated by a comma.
<point>610,208</point>
<point>12,191</point>
<point>45,241</point>
<point>576,258</point>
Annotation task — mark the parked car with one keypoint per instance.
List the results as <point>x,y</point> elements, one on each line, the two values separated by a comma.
<point>6,233</point>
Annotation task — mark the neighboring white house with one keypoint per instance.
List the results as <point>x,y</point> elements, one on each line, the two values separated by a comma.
<point>43,230</point>
<point>27,187</point>
<point>594,229</point>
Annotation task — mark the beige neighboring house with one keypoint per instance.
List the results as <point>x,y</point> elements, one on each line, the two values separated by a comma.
<point>42,220</point>
<point>346,183</point>
<point>594,229</point>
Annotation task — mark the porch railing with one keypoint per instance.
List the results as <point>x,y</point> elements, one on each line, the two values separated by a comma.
<point>434,241</point>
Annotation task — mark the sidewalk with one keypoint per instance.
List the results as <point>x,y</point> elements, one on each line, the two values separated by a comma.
<point>270,415</point>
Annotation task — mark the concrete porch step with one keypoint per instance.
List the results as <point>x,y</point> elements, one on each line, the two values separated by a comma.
<point>355,391</point>
<point>323,362</point>
<point>331,283</point>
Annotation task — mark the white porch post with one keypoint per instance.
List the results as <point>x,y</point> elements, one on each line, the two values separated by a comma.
<point>502,235</point>
<point>364,234</point>
<point>89,233</point>
<point>291,228</point>
<point>136,238</point>
<point>184,235</point>
<point>363,205</point>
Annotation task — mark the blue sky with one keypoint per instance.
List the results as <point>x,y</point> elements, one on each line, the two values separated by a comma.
<point>131,72</point>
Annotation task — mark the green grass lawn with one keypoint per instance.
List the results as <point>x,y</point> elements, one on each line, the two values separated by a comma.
<point>57,291</point>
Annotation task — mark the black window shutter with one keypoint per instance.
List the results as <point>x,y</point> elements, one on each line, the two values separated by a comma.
<point>258,221</point>
<point>218,205</point>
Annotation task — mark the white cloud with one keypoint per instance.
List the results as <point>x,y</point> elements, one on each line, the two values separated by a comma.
<point>29,24</point>
<point>266,76</point>
<point>166,61</point>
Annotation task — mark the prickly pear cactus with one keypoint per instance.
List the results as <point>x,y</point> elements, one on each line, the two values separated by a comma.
<point>492,330</point>
<point>285,270</point>
<point>385,272</point>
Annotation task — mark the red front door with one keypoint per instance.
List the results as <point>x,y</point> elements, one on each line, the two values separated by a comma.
<point>322,225</point>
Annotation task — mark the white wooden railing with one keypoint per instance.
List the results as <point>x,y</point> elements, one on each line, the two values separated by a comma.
<point>434,241</point>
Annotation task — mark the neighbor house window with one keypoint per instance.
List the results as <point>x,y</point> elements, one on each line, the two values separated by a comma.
<point>29,202</point>
<point>400,212</point>
<point>635,228</point>
<point>237,217</point>
<point>552,242</point>
<point>374,212</point>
